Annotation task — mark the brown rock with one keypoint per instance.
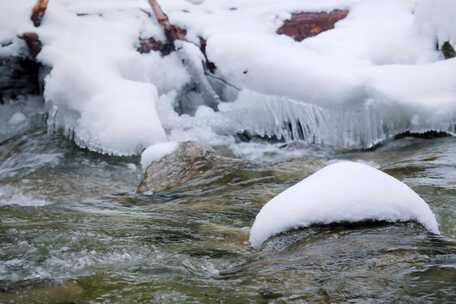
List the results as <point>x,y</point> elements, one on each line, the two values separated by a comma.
<point>189,160</point>
<point>193,164</point>
<point>306,24</point>
<point>33,42</point>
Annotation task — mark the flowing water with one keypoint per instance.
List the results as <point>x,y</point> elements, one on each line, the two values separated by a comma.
<point>73,230</point>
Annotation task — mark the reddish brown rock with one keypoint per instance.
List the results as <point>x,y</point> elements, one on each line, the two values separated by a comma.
<point>33,42</point>
<point>305,24</point>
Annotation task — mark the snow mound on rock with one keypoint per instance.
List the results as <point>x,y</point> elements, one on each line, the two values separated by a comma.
<point>156,152</point>
<point>341,192</point>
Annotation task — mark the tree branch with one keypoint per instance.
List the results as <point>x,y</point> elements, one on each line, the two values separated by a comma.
<point>38,12</point>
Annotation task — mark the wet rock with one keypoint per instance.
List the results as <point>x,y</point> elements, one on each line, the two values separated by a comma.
<point>18,76</point>
<point>147,45</point>
<point>189,161</point>
<point>354,263</point>
<point>308,24</point>
<point>448,50</point>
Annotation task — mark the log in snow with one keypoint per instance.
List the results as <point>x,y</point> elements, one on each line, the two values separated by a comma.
<point>199,91</point>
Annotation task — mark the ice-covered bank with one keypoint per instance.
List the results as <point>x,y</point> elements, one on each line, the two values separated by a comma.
<point>341,192</point>
<point>355,85</point>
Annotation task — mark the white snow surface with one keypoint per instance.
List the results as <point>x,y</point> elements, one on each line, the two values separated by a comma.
<point>341,192</point>
<point>375,75</point>
<point>437,18</point>
<point>156,152</point>
<point>367,79</point>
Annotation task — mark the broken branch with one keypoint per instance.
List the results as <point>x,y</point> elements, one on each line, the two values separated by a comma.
<point>199,85</point>
<point>38,12</point>
<point>171,31</point>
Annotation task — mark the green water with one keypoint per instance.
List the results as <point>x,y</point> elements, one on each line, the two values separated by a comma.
<point>78,233</point>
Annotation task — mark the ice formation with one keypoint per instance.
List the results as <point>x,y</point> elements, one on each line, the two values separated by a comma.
<point>356,85</point>
<point>341,192</point>
<point>25,113</point>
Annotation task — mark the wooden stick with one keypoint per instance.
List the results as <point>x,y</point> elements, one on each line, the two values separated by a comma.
<point>171,31</point>
<point>195,68</point>
<point>161,17</point>
<point>38,12</point>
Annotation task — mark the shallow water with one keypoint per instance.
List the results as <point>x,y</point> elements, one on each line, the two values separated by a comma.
<point>73,230</point>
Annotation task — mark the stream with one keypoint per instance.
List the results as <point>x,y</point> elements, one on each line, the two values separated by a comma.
<point>73,230</point>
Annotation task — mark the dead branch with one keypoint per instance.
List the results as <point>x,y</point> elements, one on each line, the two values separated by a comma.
<point>171,31</point>
<point>38,12</point>
<point>199,84</point>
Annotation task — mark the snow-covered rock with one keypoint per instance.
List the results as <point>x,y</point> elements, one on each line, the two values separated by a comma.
<point>177,167</point>
<point>341,192</point>
<point>156,152</point>
<point>172,166</point>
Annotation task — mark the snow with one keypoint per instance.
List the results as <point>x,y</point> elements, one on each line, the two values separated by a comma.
<point>341,192</point>
<point>437,19</point>
<point>14,19</point>
<point>17,118</point>
<point>375,75</point>
<point>89,89</point>
<point>156,152</point>
<point>389,68</point>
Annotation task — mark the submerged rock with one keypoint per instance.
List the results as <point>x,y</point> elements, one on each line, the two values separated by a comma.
<point>188,161</point>
<point>308,24</point>
<point>360,263</point>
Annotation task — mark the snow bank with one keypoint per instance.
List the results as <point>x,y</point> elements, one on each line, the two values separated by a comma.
<point>359,84</point>
<point>341,192</point>
<point>97,92</point>
<point>156,152</point>
<point>376,74</point>
<point>101,92</point>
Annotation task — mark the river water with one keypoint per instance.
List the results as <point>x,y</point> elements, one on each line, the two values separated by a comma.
<point>73,230</point>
